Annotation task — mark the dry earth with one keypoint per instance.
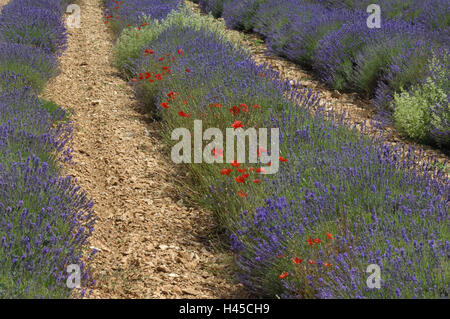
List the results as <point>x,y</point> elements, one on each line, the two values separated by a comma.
<point>150,244</point>
<point>2,3</point>
<point>357,111</point>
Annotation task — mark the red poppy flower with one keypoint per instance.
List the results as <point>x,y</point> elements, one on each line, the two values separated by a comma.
<point>256,181</point>
<point>134,80</point>
<point>310,241</point>
<point>151,80</point>
<point>237,124</point>
<point>280,256</point>
<point>283,159</point>
<point>141,76</point>
<point>158,76</point>
<point>235,110</point>
<point>184,102</point>
<point>143,24</point>
<point>180,52</point>
<point>235,164</point>
<point>260,170</point>
<point>297,260</point>
<point>165,105</point>
<point>172,94</point>
<point>226,171</point>
<point>256,106</point>
<point>317,241</point>
<point>326,264</point>
<point>244,107</point>
<point>147,75</point>
<point>239,179</point>
<point>108,17</point>
<point>241,170</point>
<point>284,275</point>
<point>165,68</point>
<point>149,51</point>
<point>181,113</point>
<point>241,194</point>
<point>251,169</point>
<point>312,262</point>
<point>329,236</point>
<point>160,59</point>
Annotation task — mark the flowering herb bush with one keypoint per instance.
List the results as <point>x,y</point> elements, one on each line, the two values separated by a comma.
<point>121,14</point>
<point>33,26</point>
<point>213,6</point>
<point>132,40</point>
<point>374,204</point>
<point>332,38</point>
<point>34,65</point>
<point>56,6</point>
<point>45,219</point>
<point>413,114</point>
<point>340,202</point>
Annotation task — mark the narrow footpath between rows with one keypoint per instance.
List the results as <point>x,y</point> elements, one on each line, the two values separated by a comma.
<point>2,3</point>
<point>151,245</point>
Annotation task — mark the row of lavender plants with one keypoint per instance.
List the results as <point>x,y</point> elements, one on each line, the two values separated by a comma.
<point>402,66</point>
<point>45,218</point>
<point>339,203</point>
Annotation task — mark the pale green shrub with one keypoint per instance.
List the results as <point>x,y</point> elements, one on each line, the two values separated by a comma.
<point>411,116</point>
<point>412,111</point>
<point>130,42</point>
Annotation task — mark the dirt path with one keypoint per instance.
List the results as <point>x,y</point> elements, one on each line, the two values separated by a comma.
<point>151,245</point>
<point>2,3</point>
<point>357,111</point>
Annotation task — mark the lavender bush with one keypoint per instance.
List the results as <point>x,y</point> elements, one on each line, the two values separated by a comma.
<point>45,219</point>
<point>33,26</point>
<point>136,12</point>
<point>56,6</point>
<point>35,65</point>
<point>376,206</point>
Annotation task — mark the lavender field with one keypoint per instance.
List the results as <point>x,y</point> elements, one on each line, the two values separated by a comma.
<point>347,215</point>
